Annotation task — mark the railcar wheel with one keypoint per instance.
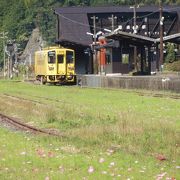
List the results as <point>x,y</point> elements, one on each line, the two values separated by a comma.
<point>43,80</point>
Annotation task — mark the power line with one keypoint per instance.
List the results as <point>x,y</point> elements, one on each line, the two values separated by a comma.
<point>76,22</point>
<point>138,17</point>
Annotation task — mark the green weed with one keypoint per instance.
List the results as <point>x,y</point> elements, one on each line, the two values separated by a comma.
<point>116,125</point>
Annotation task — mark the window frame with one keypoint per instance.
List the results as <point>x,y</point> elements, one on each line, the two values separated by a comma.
<point>49,57</point>
<point>72,59</point>
<point>62,55</point>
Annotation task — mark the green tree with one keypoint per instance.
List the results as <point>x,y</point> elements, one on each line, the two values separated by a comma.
<point>170,53</point>
<point>20,17</point>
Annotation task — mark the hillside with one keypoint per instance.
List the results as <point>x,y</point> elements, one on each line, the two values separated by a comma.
<point>20,17</point>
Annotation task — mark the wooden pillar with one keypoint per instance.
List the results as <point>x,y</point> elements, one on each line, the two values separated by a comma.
<point>120,48</point>
<point>149,60</point>
<point>157,57</point>
<point>142,59</point>
<point>89,61</point>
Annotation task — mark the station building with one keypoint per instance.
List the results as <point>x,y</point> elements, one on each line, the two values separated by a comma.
<point>106,39</point>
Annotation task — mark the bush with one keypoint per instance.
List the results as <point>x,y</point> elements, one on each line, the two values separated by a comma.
<point>170,53</point>
<point>174,66</point>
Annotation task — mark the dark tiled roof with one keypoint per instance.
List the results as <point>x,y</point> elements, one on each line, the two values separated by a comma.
<point>73,31</point>
<point>112,9</point>
<point>74,21</point>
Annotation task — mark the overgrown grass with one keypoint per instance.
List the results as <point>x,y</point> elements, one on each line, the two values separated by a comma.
<point>135,128</point>
<point>28,157</point>
<point>174,66</point>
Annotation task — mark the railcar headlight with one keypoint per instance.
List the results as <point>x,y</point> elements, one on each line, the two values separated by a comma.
<point>70,77</point>
<point>71,68</point>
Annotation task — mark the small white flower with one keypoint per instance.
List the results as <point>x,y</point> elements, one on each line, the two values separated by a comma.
<point>141,171</point>
<point>129,169</point>
<point>104,172</point>
<point>112,163</point>
<point>47,178</point>
<point>23,153</point>
<point>110,151</point>
<point>101,160</point>
<point>61,168</point>
<point>44,155</point>
<point>90,169</point>
<point>161,175</point>
<point>168,178</point>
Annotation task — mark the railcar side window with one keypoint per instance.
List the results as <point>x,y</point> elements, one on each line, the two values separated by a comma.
<point>60,58</point>
<point>51,57</point>
<point>69,57</point>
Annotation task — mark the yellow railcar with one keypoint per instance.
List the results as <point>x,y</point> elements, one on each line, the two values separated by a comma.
<point>55,65</point>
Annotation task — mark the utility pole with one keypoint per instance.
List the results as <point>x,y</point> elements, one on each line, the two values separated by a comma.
<point>94,26</point>
<point>134,17</point>
<point>95,64</point>
<point>135,32</point>
<point>112,18</point>
<point>4,49</point>
<point>161,33</point>
<point>10,49</point>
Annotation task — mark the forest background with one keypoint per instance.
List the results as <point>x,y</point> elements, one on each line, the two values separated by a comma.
<point>20,17</point>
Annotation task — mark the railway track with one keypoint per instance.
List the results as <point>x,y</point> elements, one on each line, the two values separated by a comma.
<point>23,99</point>
<point>34,101</point>
<point>16,124</point>
<point>159,95</point>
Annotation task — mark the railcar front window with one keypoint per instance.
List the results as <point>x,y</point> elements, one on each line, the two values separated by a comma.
<point>51,57</point>
<point>69,57</point>
<point>60,58</point>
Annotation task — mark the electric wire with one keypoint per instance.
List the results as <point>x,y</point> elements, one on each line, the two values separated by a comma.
<point>138,17</point>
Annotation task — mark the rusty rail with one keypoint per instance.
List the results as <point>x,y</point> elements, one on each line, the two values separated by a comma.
<point>25,127</point>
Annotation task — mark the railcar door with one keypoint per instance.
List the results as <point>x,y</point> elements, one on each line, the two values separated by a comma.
<point>61,64</point>
<point>70,63</point>
<point>51,63</point>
